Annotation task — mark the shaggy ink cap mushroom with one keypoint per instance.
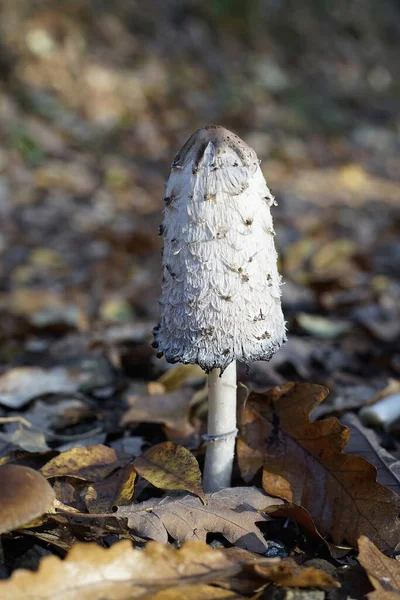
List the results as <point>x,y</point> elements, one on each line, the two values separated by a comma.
<point>25,495</point>
<point>221,297</point>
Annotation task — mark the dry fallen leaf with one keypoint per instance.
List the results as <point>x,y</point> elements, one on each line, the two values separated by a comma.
<point>195,592</point>
<point>383,572</point>
<point>171,467</point>
<point>18,386</point>
<point>299,514</point>
<point>304,463</point>
<point>91,463</point>
<point>42,308</point>
<point>288,573</point>
<point>177,376</point>
<point>365,442</point>
<point>233,512</point>
<point>392,387</point>
<point>24,438</point>
<point>171,409</point>
<point>122,572</point>
<point>114,490</point>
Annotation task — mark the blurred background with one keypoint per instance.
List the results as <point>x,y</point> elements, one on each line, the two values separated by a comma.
<point>96,97</point>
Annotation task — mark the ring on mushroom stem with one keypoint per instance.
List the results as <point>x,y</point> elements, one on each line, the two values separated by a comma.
<point>217,185</point>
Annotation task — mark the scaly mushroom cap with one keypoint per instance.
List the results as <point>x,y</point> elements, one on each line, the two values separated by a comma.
<point>25,495</point>
<point>221,288</point>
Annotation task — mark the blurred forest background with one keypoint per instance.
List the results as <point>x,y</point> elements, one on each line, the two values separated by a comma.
<point>96,97</point>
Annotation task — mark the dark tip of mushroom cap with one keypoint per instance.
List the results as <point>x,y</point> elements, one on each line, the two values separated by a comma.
<point>220,138</point>
<point>25,496</point>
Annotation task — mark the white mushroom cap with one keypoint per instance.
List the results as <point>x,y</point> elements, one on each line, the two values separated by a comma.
<point>221,288</point>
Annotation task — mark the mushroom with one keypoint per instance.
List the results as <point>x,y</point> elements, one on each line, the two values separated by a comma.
<point>220,300</point>
<point>25,495</point>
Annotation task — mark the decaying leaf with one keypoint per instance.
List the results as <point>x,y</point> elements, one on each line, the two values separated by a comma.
<point>91,463</point>
<point>364,442</point>
<point>232,512</point>
<point>122,573</point>
<point>24,438</point>
<point>281,571</point>
<point>392,387</point>
<point>195,592</point>
<point>321,327</point>
<point>177,376</point>
<point>171,467</point>
<point>18,386</point>
<point>60,537</point>
<point>114,490</point>
<point>300,515</point>
<point>304,463</point>
<point>288,573</point>
<point>171,409</point>
<point>383,572</point>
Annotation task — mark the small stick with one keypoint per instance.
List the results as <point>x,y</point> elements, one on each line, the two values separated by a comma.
<point>16,419</point>
<point>221,429</point>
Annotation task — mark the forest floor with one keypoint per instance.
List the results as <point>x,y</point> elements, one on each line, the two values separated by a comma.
<point>93,106</point>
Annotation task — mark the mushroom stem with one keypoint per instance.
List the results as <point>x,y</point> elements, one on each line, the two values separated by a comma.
<point>221,429</point>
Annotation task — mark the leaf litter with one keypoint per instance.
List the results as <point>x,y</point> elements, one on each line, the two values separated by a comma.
<point>86,141</point>
<point>304,463</point>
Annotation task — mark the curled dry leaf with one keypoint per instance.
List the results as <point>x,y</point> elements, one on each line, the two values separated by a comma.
<point>121,573</point>
<point>304,463</point>
<point>383,572</point>
<point>91,463</point>
<point>232,512</point>
<point>171,467</point>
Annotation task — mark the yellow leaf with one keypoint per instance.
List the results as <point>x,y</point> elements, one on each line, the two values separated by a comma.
<point>173,379</point>
<point>171,467</point>
<point>91,463</point>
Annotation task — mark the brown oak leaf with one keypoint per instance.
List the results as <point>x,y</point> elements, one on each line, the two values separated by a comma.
<point>383,572</point>
<point>304,463</point>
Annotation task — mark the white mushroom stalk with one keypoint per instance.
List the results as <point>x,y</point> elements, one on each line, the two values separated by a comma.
<point>220,298</point>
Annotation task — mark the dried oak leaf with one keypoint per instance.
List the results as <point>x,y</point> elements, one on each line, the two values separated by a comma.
<point>91,463</point>
<point>171,467</point>
<point>122,572</point>
<point>233,512</point>
<point>304,463</point>
<point>383,572</point>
